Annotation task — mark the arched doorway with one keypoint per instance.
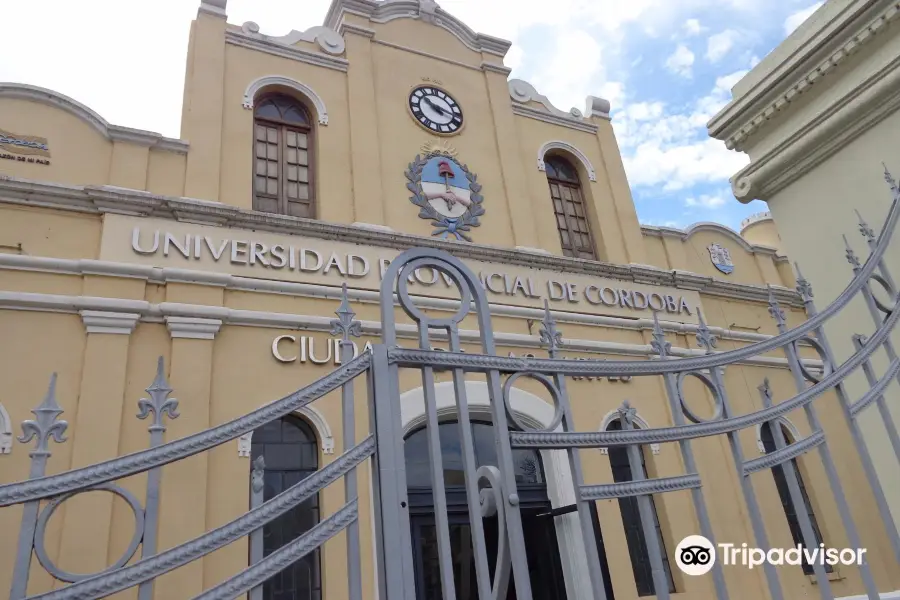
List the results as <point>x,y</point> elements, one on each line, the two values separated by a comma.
<point>291,454</point>
<point>540,535</point>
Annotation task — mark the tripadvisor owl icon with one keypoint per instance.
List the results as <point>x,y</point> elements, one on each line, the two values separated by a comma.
<point>695,555</point>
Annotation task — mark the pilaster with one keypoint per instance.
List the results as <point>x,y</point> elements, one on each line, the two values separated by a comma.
<point>629,225</point>
<point>365,152</point>
<point>524,231</point>
<point>205,95</point>
<point>184,483</point>
<point>94,430</point>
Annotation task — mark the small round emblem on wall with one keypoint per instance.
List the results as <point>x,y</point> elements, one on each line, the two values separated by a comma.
<point>435,110</point>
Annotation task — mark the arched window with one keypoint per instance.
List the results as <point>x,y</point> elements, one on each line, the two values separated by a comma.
<point>568,206</point>
<point>288,447</point>
<point>785,494</point>
<point>631,518</point>
<point>540,533</point>
<point>283,158</point>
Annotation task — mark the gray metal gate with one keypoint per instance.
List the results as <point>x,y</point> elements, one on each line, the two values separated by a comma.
<point>490,490</point>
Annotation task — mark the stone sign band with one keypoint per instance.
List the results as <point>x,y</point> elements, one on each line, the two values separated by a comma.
<point>289,258</point>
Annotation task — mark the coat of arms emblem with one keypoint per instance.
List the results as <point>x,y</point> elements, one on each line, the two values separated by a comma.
<point>721,258</point>
<point>446,192</point>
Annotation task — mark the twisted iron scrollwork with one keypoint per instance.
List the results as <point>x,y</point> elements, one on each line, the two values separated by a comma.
<point>493,500</point>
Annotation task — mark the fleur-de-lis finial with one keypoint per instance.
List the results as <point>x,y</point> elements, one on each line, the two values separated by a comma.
<point>44,425</point>
<point>548,332</point>
<point>889,179</point>
<point>765,391</point>
<point>775,309</point>
<point>659,343</point>
<point>159,402</point>
<point>866,231</point>
<point>705,338</point>
<point>803,286</point>
<point>345,326</point>
<point>851,255</point>
<point>257,479</point>
<point>627,413</point>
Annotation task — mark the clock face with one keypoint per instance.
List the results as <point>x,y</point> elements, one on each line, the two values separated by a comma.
<point>435,110</point>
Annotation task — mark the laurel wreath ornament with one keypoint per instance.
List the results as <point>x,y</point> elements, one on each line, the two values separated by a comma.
<point>445,226</point>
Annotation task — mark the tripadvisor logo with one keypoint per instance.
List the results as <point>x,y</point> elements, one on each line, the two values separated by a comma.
<point>696,555</point>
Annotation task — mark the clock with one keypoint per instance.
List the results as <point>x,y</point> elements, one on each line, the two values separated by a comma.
<point>435,110</point>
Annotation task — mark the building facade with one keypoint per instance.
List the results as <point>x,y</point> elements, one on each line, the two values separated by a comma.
<point>818,118</point>
<point>308,162</point>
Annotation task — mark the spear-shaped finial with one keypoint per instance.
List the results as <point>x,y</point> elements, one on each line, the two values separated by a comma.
<point>45,426</point>
<point>804,288</point>
<point>257,479</point>
<point>705,338</point>
<point>889,179</point>
<point>659,343</point>
<point>851,255</point>
<point>627,414</point>
<point>159,402</point>
<point>345,325</point>
<point>765,392</point>
<point>549,335</point>
<point>866,231</point>
<point>775,309</point>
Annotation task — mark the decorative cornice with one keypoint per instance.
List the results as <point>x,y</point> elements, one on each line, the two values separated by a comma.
<point>734,130</point>
<point>833,127</point>
<point>113,133</point>
<point>213,7</point>
<point>277,80</point>
<point>193,328</point>
<point>329,40</point>
<point>495,68</point>
<point>346,28</point>
<point>523,92</point>
<point>598,107</point>
<point>755,218</point>
<point>133,311</point>
<point>104,321</point>
<point>684,234</point>
<point>383,12</point>
<point>236,38</point>
<point>308,290</point>
<point>103,199</point>
<point>313,416</point>
<point>569,148</point>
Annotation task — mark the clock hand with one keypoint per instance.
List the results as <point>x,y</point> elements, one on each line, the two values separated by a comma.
<point>435,106</point>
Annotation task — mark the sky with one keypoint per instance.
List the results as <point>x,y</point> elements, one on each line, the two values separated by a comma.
<point>666,66</point>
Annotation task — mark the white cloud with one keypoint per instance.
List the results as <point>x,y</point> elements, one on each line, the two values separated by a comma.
<point>693,27</point>
<point>796,19</point>
<point>718,45</point>
<point>705,201</point>
<point>681,61</point>
<point>514,57</point>
<point>568,82</point>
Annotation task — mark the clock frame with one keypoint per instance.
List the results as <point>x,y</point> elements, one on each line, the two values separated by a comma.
<point>421,110</point>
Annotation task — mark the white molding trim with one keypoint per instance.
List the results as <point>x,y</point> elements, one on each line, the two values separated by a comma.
<point>277,80</point>
<point>786,423</point>
<point>113,133</point>
<point>425,10</point>
<point>309,290</point>
<point>733,123</point>
<point>237,38</point>
<point>112,322</point>
<point>684,234</point>
<point>568,148</point>
<point>6,436</point>
<point>193,328</point>
<point>161,313</point>
<point>110,199</point>
<point>534,412</point>
<point>523,92</point>
<point>328,39</point>
<point>895,595</point>
<point>639,422</point>
<point>312,416</point>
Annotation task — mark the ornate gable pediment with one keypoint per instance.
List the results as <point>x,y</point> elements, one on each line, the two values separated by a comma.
<point>428,11</point>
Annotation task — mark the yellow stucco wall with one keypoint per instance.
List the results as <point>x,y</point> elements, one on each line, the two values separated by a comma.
<point>63,255</point>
